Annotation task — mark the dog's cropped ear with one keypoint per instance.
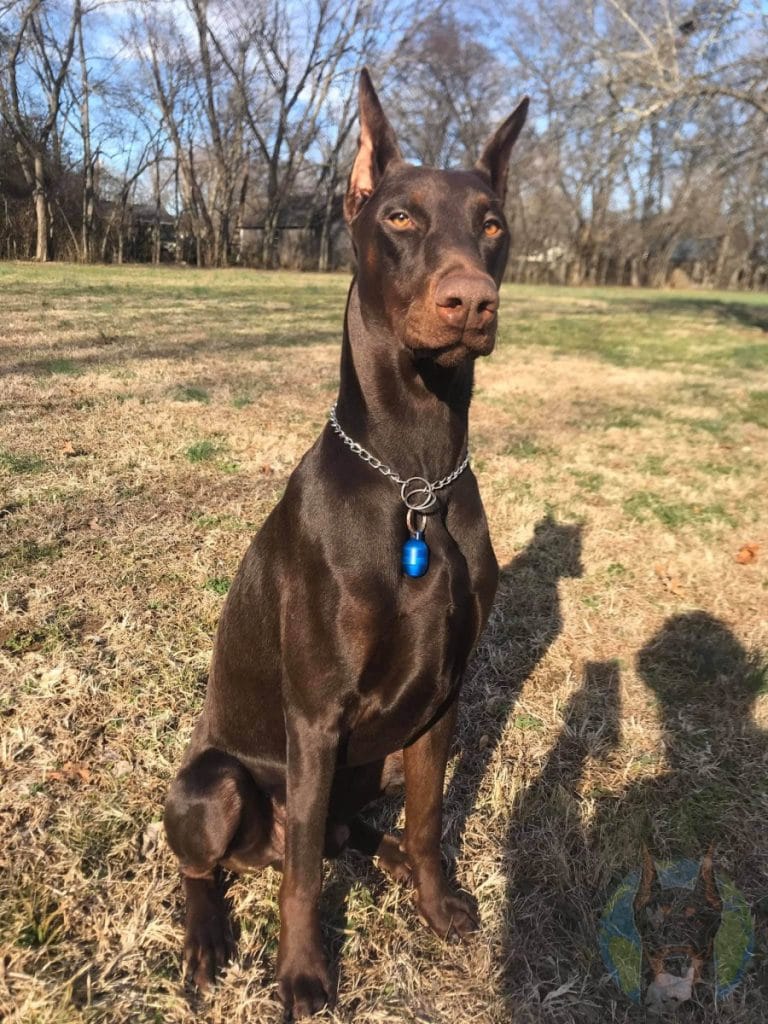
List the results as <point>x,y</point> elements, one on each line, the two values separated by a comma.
<point>648,879</point>
<point>494,160</point>
<point>706,884</point>
<point>376,149</point>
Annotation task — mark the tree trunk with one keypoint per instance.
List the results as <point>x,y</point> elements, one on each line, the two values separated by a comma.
<point>269,257</point>
<point>89,189</point>
<point>241,211</point>
<point>722,257</point>
<point>42,252</point>
<point>325,257</point>
<point>223,239</point>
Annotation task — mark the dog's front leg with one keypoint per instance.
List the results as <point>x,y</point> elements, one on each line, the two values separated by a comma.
<point>303,979</point>
<point>446,913</point>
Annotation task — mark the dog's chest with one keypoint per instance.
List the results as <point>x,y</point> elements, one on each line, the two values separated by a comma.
<point>413,658</point>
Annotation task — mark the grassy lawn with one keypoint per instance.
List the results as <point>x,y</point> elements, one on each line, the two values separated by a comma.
<point>149,421</point>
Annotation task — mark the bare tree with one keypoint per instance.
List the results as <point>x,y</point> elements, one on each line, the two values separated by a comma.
<point>40,46</point>
<point>284,62</point>
<point>171,73</point>
<point>447,90</point>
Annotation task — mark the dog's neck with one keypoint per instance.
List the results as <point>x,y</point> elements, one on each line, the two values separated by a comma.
<point>411,414</point>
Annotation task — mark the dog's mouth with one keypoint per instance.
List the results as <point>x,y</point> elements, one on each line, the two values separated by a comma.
<point>468,345</point>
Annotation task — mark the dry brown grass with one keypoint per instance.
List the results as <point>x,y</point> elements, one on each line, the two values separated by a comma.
<point>148,421</point>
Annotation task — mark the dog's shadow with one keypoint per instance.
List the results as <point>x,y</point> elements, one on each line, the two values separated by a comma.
<point>525,622</point>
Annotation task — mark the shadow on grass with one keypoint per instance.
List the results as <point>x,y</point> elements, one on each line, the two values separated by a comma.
<point>117,355</point>
<point>550,922</point>
<point>570,842</point>
<point>525,622</point>
<point>743,313</point>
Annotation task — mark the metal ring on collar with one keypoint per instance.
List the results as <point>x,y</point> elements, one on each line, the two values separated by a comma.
<point>412,516</point>
<point>412,490</point>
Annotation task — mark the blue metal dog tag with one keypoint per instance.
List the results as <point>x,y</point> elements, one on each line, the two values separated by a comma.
<point>415,559</point>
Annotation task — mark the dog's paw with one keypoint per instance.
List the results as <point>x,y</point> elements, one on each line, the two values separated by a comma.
<point>391,858</point>
<point>304,990</point>
<point>448,915</point>
<point>208,946</point>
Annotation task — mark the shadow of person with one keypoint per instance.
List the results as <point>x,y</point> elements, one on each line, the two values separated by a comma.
<point>711,789</point>
<point>525,621</point>
<point>714,780</point>
<point>548,922</point>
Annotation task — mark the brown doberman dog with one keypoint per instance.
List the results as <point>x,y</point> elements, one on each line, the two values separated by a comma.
<point>336,667</point>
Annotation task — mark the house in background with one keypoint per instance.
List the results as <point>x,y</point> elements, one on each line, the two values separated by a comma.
<point>137,233</point>
<point>299,232</point>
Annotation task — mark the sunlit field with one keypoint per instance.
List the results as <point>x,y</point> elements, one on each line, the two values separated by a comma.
<point>149,420</point>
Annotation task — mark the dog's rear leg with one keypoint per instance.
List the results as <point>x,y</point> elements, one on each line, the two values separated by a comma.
<point>213,808</point>
<point>385,847</point>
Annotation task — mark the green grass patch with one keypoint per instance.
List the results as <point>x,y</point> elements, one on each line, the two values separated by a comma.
<point>223,521</point>
<point>23,640</point>
<point>640,328</point>
<point>715,427</point>
<point>526,722</point>
<point>191,394</point>
<point>655,465</point>
<point>645,505</point>
<point>67,367</point>
<point>719,468</point>
<point>525,448</point>
<point>202,451</point>
<point>749,357</point>
<point>30,551</point>
<point>616,571</point>
<point>757,409</point>
<point>64,626</point>
<point>17,462</point>
<point>218,585</point>
<point>590,482</point>
<point>44,923</point>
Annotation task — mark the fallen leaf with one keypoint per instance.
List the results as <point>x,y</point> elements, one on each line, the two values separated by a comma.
<point>150,839</point>
<point>71,771</point>
<point>747,553</point>
<point>672,583</point>
<point>71,450</point>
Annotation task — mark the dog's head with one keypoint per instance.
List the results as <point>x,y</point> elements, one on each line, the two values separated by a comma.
<point>677,927</point>
<point>431,245</point>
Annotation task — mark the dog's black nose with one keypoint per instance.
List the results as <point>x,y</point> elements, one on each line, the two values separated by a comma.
<point>464,298</point>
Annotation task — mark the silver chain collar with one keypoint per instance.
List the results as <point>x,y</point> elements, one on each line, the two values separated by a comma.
<point>417,493</point>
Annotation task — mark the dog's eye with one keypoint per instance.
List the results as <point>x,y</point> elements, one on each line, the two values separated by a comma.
<point>400,220</point>
<point>492,227</point>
